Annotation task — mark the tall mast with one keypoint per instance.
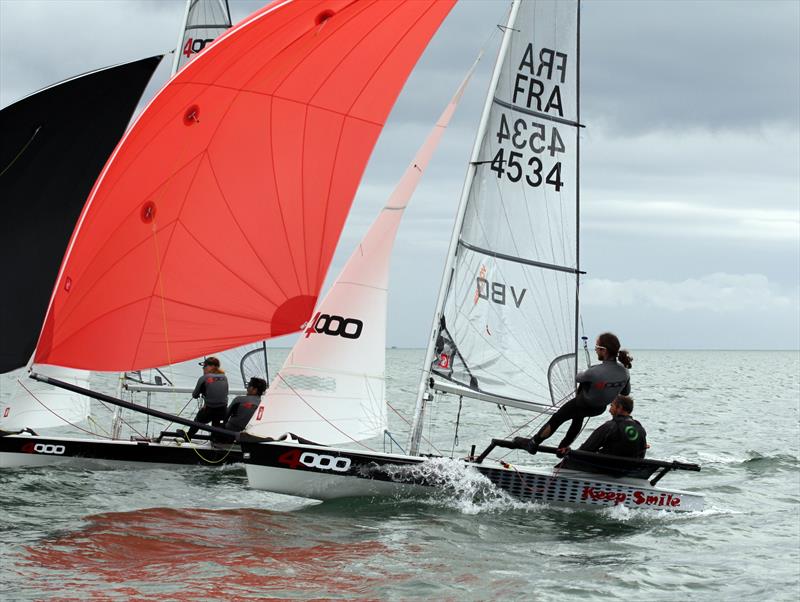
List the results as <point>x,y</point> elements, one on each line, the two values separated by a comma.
<point>578,188</point>
<point>419,409</point>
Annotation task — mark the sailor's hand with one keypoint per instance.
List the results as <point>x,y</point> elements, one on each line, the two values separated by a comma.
<point>562,451</point>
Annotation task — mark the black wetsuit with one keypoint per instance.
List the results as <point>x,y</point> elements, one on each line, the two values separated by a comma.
<point>214,389</point>
<point>620,436</point>
<point>598,386</point>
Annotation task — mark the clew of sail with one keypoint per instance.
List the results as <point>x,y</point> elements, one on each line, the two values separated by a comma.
<point>507,327</point>
<point>36,405</point>
<point>204,21</point>
<point>331,388</point>
<point>228,195</point>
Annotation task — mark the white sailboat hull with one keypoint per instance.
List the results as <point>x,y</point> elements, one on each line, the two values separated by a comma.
<point>325,473</point>
<point>325,486</point>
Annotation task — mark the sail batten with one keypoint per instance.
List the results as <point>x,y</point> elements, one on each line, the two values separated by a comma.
<point>547,266</point>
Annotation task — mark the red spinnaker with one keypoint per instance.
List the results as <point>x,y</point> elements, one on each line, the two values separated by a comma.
<point>214,221</point>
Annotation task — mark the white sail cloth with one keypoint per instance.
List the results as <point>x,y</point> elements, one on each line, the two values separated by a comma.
<point>205,20</point>
<point>509,314</point>
<point>36,405</point>
<point>331,387</point>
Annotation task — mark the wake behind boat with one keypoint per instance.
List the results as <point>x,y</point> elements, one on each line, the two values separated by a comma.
<point>325,473</point>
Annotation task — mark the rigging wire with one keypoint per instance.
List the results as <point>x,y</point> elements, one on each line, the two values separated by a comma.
<point>56,414</point>
<point>313,409</point>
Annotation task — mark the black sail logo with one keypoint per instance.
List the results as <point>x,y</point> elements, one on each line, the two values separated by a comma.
<point>499,293</point>
<point>335,326</point>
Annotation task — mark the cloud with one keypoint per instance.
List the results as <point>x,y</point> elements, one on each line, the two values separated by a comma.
<point>665,64</point>
<point>718,292</point>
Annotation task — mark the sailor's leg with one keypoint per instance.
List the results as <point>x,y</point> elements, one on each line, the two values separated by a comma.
<point>202,416</point>
<point>581,412</point>
<point>564,413</point>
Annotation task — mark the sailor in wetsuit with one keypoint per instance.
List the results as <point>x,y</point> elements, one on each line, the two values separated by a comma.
<point>242,408</point>
<point>213,386</point>
<point>620,436</point>
<point>597,387</point>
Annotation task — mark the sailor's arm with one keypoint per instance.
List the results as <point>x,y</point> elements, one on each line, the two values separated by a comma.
<point>198,388</point>
<point>598,438</point>
<point>233,409</point>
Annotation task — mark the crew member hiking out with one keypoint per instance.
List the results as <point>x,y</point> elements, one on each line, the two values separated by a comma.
<point>213,386</point>
<point>620,436</point>
<point>597,387</point>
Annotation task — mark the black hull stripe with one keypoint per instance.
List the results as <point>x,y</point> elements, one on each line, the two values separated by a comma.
<point>120,452</point>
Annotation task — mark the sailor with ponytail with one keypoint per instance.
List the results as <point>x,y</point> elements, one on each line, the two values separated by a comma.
<point>598,386</point>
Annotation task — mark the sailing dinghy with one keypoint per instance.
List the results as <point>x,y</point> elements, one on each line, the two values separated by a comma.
<point>226,198</point>
<point>505,328</point>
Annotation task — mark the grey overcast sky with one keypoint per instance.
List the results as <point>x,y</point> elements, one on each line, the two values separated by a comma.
<point>690,159</point>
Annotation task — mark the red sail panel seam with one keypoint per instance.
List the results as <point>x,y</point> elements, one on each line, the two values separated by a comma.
<point>244,237</point>
<point>112,234</point>
<point>93,320</point>
<point>366,83</point>
<point>159,281</point>
<point>277,195</point>
<point>230,271</point>
<point>297,40</point>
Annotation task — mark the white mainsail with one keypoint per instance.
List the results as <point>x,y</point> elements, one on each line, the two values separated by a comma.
<point>331,387</point>
<point>204,21</point>
<point>505,329</point>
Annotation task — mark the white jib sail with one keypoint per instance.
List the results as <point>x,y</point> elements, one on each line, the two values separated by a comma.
<point>508,321</point>
<point>331,387</point>
<point>204,21</point>
<point>36,405</point>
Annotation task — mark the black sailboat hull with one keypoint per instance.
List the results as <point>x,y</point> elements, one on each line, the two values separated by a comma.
<point>25,450</point>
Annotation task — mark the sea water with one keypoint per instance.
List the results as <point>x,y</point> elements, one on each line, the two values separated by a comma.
<point>200,533</point>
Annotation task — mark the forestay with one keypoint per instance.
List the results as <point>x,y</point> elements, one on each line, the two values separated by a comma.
<point>507,327</point>
<point>331,388</point>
